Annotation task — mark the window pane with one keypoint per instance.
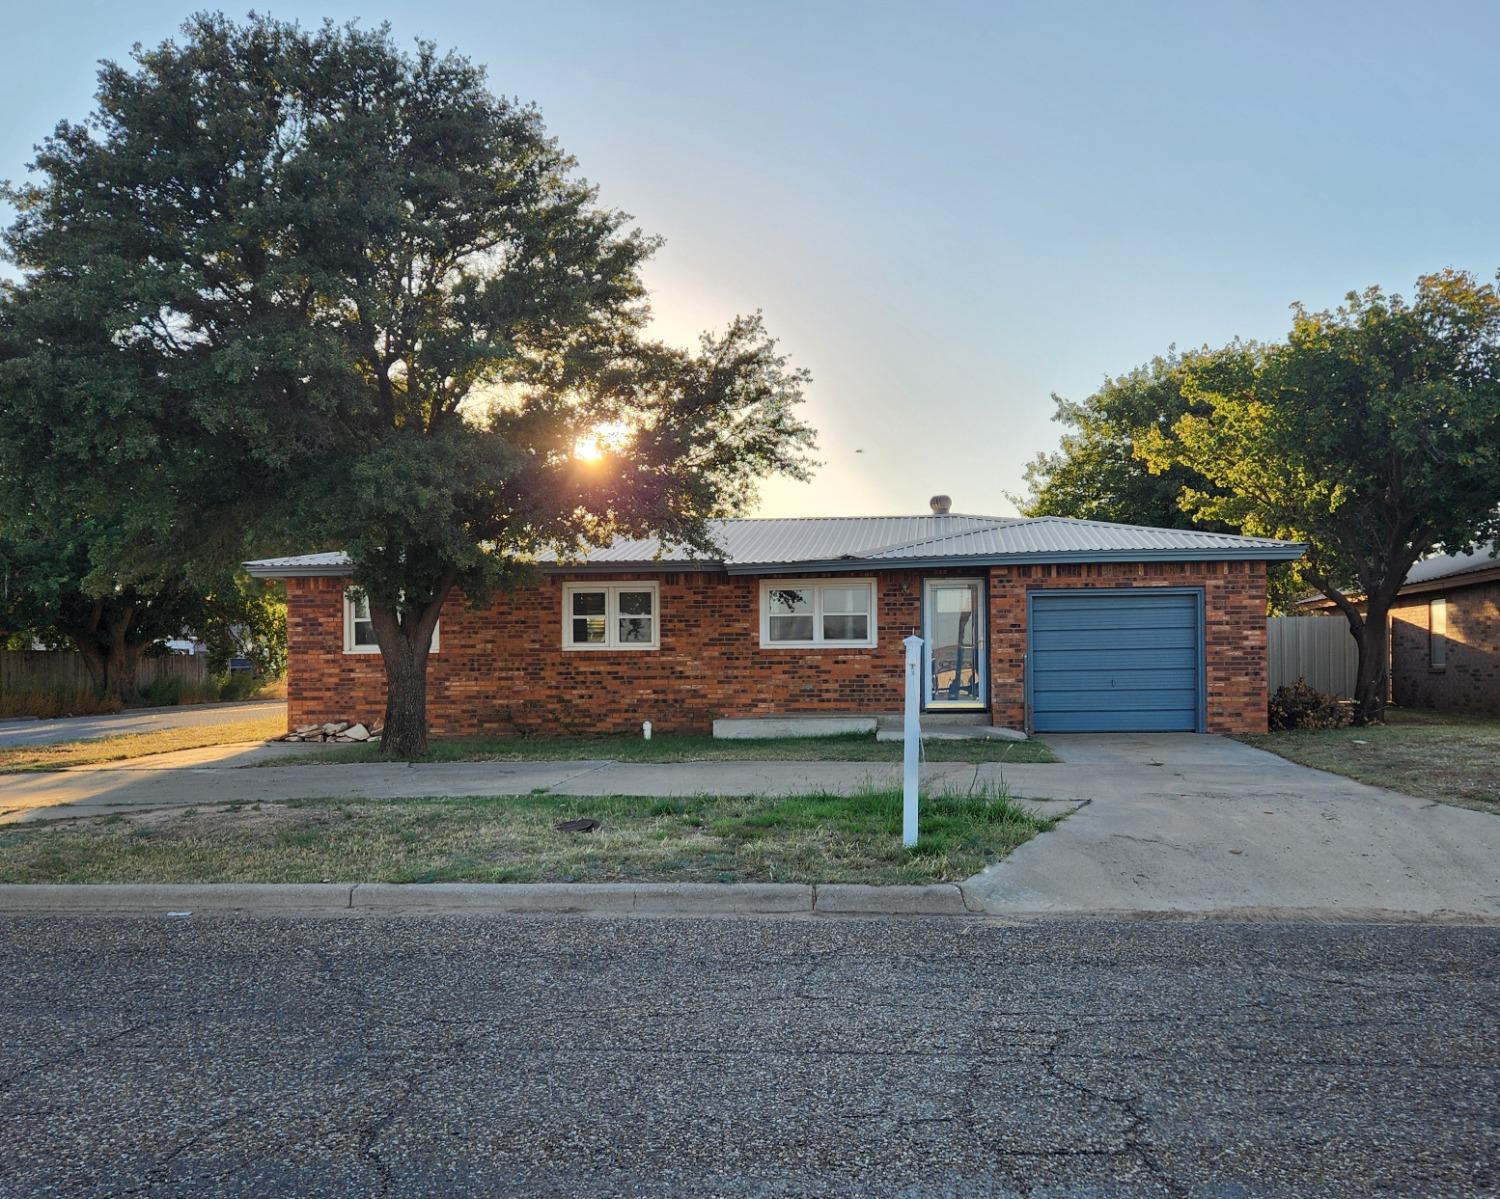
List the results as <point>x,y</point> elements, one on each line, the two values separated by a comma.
<point>1437,632</point>
<point>846,628</point>
<point>635,630</point>
<point>588,603</point>
<point>635,603</point>
<point>588,630</point>
<point>364,633</point>
<point>361,607</point>
<point>785,602</point>
<point>843,601</point>
<point>791,628</point>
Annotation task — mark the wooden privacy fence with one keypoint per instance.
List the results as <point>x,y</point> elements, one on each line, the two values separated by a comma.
<point>48,672</point>
<point>1319,649</point>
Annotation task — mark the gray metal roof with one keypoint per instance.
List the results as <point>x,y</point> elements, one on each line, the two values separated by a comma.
<point>294,566</point>
<point>1447,566</point>
<point>770,546</point>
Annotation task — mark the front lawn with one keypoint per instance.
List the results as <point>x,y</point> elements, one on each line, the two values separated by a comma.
<point>138,745</point>
<point>853,747</point>
<point>513,839</point>
<point>1432,755</point>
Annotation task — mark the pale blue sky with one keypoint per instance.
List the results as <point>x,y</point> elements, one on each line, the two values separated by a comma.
<point>948,211</point>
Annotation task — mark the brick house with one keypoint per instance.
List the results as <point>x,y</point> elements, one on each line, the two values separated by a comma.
<point>1445,634</point>
<point>1045,625</point>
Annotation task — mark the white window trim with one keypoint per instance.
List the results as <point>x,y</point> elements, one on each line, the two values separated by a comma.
<point>816,586</point>
<point>351,648</point>
<point>611,643</point>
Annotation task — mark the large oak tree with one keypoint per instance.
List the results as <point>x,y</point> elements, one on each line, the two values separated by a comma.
<point>304,283</point>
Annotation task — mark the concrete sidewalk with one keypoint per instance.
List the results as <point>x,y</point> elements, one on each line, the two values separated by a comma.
<point>194,778</point>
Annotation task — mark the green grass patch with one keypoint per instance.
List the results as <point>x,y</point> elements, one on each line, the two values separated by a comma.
<point>1432,755</point>
<point>852,747</point>
<point>513,839</point>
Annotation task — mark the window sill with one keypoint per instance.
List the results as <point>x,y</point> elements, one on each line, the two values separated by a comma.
<point>609,649</point>
<point>818,645</point>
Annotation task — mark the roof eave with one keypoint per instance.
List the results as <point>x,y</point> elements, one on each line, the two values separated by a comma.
<point>1290,552</point>
<point>258,570</point>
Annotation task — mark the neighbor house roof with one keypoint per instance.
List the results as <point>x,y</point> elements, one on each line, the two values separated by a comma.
<point>1446,569</point>
<point>1439,573</point>
<point>772,546</point>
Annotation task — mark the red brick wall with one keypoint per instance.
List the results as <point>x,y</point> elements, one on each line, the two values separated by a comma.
<point>1470,682</point>
<point>500,668</point>
<point>1234,613</point>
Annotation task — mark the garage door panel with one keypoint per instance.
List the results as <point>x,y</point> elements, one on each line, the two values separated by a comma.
<point>1182,678</point>
<point>1165,700</point>
<point>1140,617</point>
<point>1110,722</point>
<point>1114,638</point>
<point>1182,658</point>
<point>1115,663</point>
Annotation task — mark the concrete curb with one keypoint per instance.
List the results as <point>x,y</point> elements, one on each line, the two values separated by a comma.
<point>944,899</point>
<point>173,897</point>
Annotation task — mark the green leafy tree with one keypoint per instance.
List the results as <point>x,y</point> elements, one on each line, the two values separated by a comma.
<point>303,283</point>
<point>45,592</point>
<point>1373,434</point>
<point>1098,473</point>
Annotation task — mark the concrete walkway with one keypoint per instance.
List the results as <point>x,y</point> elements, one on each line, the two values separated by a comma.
<point>133,720</point>
<point>216,775</point>
<point>1188,823</point>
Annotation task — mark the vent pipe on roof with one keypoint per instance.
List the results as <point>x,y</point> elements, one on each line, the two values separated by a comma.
<point>940,504</point>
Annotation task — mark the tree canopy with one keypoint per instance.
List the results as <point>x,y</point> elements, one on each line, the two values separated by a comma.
<point>1372,433</point>
<point>300,286</point>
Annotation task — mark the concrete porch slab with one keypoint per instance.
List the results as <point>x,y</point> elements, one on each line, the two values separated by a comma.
<point>745,728</point>
<point>937,728</point>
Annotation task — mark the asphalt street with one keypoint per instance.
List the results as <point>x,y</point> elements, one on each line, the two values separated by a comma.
<point>568,1056</point>
<point>133,720</point>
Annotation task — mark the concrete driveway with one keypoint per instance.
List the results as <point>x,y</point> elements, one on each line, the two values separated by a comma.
<point>134,720</point>
<point>1190,823</point>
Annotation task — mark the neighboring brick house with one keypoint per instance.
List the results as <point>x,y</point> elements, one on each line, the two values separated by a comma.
<point>1445,635</point>
<point>1046,624</point>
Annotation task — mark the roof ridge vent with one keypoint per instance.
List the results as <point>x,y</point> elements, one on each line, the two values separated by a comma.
<point>941,505</point>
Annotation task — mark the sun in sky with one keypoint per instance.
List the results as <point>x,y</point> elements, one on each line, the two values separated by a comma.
<point>601,440</point>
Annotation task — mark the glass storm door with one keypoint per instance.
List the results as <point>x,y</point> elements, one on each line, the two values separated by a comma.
<point>953,621</point>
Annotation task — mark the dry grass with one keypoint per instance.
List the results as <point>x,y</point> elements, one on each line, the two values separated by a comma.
<point>509,839</point>
<point>1432,755</point>
<point>853,747</point>
<point>137,745</point>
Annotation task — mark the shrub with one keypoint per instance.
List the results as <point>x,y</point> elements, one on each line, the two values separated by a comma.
<point>1299,706</point>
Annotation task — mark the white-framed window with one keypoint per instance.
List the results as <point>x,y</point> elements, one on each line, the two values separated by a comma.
<point>1437,634</point>
<point>817,613</point>
<point>611,616</point>
<point>359,629</point>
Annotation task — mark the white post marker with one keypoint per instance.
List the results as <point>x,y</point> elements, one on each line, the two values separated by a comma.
<point>912,735</point>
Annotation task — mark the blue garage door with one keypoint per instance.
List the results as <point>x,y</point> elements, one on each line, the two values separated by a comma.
<point>1115,662</point>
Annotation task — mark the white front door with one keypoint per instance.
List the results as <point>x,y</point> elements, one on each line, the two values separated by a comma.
<point>953,620</point>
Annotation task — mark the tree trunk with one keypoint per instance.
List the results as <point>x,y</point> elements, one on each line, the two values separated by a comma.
<point>1373,674</point>
<point>111,668</point>
<point>405,732</point>
<point>404,646</point>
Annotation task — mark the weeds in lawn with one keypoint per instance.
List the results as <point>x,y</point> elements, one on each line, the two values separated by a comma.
<point>801,838</point>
